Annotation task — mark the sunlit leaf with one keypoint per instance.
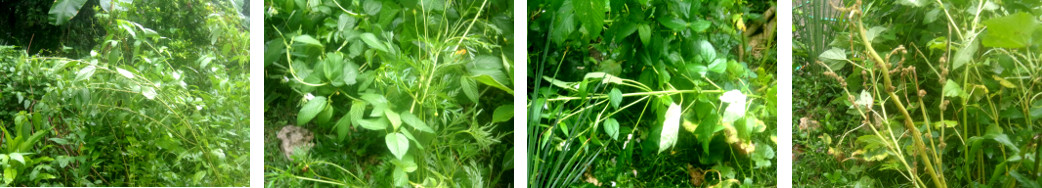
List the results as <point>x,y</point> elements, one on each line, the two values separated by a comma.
<point>952,89</point>
<point>469,88</point>
<point>670,128</point>
<point>611,126</point>
<point>1011,31</point>
<point>415,122</point>
<point>374,124</point>
<point>615,97</point>
<point>835,58</point>
<point>393,117</point>
<point>125,73</point>
<point>310,110</point>
<point>736,109</point>
<point>308,40</point>
<point>373,42</point>
<point>397,143</point>
<point>85,73</point>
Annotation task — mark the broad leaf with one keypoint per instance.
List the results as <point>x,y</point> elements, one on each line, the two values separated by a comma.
<point>952,89</point>
<point>310,110</point>
<point>1012,31</point>
<point>373,42</point>
<point>503,113</point>
<point>964,55</point>
<point>393,117</point>
<point>835,58</point>
<point>670,128</point>
<point>64,10</point>
<point>343,126</point>
<point>307,40</point>
<point>469,88</point>
<point>415,122</point>
<point>736,109</point>
<point>398,144</point>
<point>611,126</point>
<point>591,14</point>
<point>85,73</point>
<point>615,97</point>
<point>373,124</point>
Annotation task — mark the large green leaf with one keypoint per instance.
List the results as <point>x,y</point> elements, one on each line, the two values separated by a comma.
<point>591,14</point>
<point>63,10</point>
<point>310,110</point>
<point>397,143</point>
<point>965,54</point>
<point>307,40</point>
<point>393,117</point>
<point>469,88</point>
<point>1011,31</point>
<point>343,126</point>
<point>489,70</point>
<point>563,24</point>
<point>951,89</point>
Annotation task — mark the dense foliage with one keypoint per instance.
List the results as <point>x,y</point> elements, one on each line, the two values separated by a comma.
<point>651,93</point>
<point>918,94</point>
<point>150,104</point>
<point>396,93</point>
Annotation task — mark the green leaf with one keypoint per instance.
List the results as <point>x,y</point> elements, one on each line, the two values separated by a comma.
<point>611,126</point>
<point>673,23</point>
<point>350,75</point>
<point>706,50</point>
<point>615,97</point>
<point>345,22</point>
<point>398,144</point>
<point>718,66</point>
<point>645,34</point>
<point>488,65</point>
<point>17,157</point>
<point>373,124</point>
<point>357,111</point>
<point>9,174</point>
<point>945,124</point>
<point>1011,31</point>
<point>591,14</point>
<point>564,24</point>
<point>913,3</point>
<point>469,88</point>
<point>951,89</point>
<point>307,40</point>
<point>874,32</point>
<point>343,126</point>
<point>503,113</point>
<point>700,25</point>
<point>415,122</point>
<point>396,120</point>
<point>835,58</point>
<point>85,73</point>
<point>310,110</point>
<point>378,101</point>
<point>323,117</point>
<point>373,42</point>
<point>372,7</point>
<point>965,54</point>
<point>62,11</point>
<point>670,128</point>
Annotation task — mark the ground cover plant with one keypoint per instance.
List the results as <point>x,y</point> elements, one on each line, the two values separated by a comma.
<point>918,94</point>
<point>133,94</point>
<point>651,93</point>
<point>380,93</point>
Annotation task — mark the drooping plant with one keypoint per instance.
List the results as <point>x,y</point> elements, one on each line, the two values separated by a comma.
<point>628,92</point>
<point>418,90</point>
<point>933,107</point>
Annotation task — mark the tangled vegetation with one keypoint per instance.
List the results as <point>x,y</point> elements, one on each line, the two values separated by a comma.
<point>159,100</point>
<point>918,94</point>
<point>651,93</point>
<point>380,93</point>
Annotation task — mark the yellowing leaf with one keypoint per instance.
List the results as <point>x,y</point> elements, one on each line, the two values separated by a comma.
<point>1004,82</point>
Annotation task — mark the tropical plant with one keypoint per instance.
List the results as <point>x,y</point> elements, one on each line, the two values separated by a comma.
<point>615,82</point>
<point>135,111</point>
<point>413,92</point>
<point>949,99</point>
